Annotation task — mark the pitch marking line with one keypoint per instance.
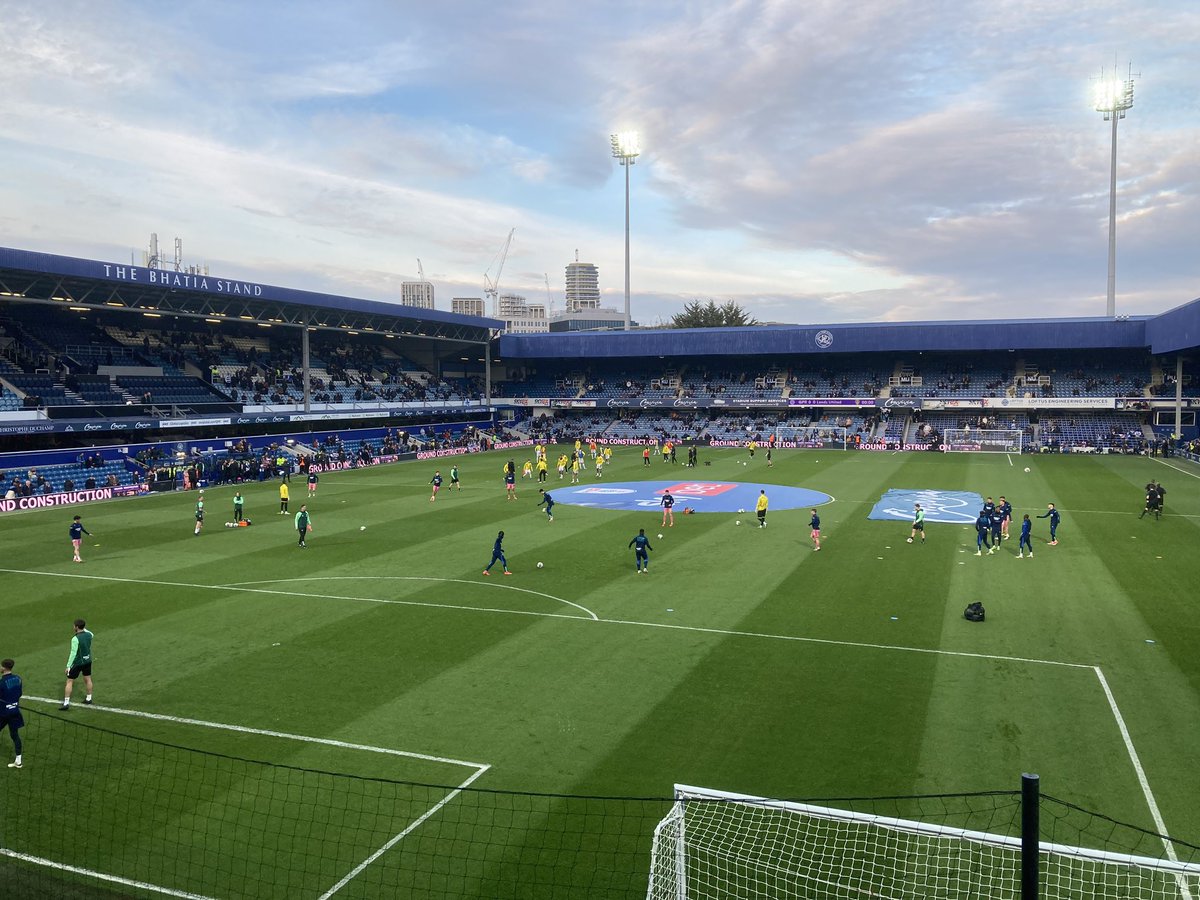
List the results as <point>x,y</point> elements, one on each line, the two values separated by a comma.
<point>101,876</point>
<point>629,622</point>
<point>1141,777</point>
<point>479,768</point>
<point>509,587</point>
<point>1174,468</point>
<point>251,590</point>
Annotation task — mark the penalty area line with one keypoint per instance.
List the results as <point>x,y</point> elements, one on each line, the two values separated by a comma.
<point>244,729</point>
<point>1155,813</point>
<point>101,876</point>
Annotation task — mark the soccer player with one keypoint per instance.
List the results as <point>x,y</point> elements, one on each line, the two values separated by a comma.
<point>983,524</point>
<point>770,464</point>
<point>997,525</point>
<point>814,525</point>
<point>455,484</point>
<point>1151,501</point>
<point>575,470</point>
<point>77,533</point>
<point>666,450</point>
<point>1006,516</point>
<point>510,483</point>
<point>527,469</point>
<point>498,555</point>
<point>918,524</point>
<point>542,469</point>
<point>606,452</point>
<point>753,445</point>
<point>1052,514</point>
<point>562,466</point>
<point>303,523</point>
<point>1162,496</point>
<point>1025,541</point>
<point>592,447</point>
<point>988,506</point>
<point>673,460</point>
<point>239,503</point>
<point>436,481</point>
<point>199,513</point>
<point>312,484</point>
<point>283,498</point>
<point>667,502</point>
<point>549,501</point>
<point>761,509</point>
<point>640,545</point>
<point>645,456</point>
<point>79,663</point>
<point>599,466</point>
<point>10,709</point>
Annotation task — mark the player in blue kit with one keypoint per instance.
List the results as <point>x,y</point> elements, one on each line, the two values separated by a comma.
<point>983,525</point>
<point>498,555</point>
<point>1052,514</point>
<point>10,709</point>
<point>997,526</point>
<point>549,502</point>
<point>1025,541</point>
<point>640,545</point>
<point>667,502</point>
<point>814,525</point>
<point>1006,516</point>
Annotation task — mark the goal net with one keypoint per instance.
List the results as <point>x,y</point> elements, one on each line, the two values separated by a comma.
<point>817,437</point>
<point>982,440</point>
<point>720,845</point>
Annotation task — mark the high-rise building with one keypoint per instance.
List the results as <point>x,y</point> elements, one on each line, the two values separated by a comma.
<point>583,286</point>
<point>520,316</point>
<point>417,293</point>
<point>467,306</point>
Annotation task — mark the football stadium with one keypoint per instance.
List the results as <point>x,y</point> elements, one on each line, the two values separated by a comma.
<point>384,602</point>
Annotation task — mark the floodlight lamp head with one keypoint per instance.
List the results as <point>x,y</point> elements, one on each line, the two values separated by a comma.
<point>1113,95</point>
<point>625,146</point>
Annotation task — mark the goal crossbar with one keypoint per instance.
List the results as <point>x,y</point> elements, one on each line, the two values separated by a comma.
<point>983,440</point>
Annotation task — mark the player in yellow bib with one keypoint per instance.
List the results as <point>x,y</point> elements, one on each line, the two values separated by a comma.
<point>761,509</point>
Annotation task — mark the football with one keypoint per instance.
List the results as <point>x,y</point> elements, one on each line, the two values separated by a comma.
<point>738,522</point>
<point>1027,468</point>
<point>539,565</point>
<point>660,537</point>
<point>362,527</point>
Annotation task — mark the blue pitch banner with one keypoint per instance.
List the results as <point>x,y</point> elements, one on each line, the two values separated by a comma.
<point>951,507</point>
<point>702,496</point>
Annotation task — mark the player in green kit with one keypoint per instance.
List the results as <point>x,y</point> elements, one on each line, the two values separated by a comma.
<point>455,485</point>
<point>918,523</point>
<point>303,524</point>
<point>199,512</point>
<point>79,663</point>
<point>239,503</point>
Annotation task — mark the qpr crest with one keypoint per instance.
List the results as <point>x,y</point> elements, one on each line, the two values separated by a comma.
<point>824,339</point>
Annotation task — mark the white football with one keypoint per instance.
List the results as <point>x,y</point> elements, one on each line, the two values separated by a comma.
<point>660,537</point>
<point>738,522</point>
<point>362,527</point>
<point>741,510</point>
<point>1027,468</point>
<point>539,565</point>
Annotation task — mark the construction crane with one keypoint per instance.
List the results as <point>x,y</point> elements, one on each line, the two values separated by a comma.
<point>549,296</point>
<point>420,270</point>
<point>491,286</point>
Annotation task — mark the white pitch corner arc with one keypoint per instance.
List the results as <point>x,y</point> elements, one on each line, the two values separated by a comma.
<point>507,587</point>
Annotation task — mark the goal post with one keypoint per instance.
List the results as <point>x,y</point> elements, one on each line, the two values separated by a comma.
<point>716,844</point>
<point>815,437</point>
<point>983,440</point>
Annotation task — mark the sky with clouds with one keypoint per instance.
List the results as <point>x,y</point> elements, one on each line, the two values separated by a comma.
<point>817,161</point>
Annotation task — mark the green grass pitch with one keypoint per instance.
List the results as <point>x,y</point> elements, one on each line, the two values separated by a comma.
<point>744,662</point>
